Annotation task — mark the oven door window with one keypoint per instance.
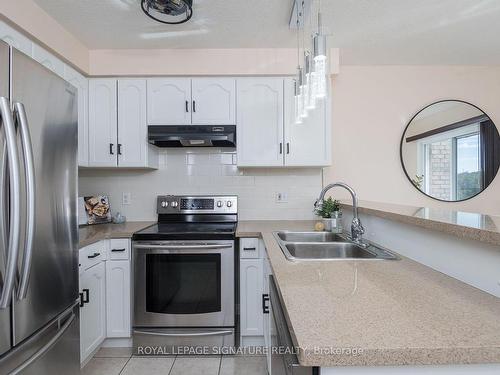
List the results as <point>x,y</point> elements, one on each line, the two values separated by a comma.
<point>183,284</point>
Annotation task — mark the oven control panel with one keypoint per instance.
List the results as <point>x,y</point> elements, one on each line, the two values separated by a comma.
<point>179,204</point>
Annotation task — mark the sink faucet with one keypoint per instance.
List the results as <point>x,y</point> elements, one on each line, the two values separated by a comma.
<point>357,229</point>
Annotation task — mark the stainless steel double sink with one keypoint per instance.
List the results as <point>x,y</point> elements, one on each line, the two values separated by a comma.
<point>313,246</point>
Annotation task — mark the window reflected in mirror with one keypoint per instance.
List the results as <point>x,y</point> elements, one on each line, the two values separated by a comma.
<point>450,150</point>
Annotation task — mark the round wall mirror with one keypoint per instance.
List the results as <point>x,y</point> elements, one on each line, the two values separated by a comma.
<point>450,150</point>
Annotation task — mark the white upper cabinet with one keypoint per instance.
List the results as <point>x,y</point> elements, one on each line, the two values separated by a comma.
<point>259,122</point>
<point>309,143</point>
<point>132,128</point>
<point>213,101</point>
<point>15,39</point>
<point>82,85</point>
<point>102,123</point>
<point>48,60</point>
<point>169,101</point>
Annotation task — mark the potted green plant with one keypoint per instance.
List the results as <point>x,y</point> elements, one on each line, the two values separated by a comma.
<point>331,213</point>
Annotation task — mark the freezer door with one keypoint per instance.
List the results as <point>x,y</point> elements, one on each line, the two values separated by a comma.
<point>46,107</point>
<point>5,327</point>
<point>55,349</point>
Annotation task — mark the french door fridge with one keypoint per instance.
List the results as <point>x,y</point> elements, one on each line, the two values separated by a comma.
<point>39,331</point>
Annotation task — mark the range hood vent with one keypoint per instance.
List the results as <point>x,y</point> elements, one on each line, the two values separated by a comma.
<point>192,136</point>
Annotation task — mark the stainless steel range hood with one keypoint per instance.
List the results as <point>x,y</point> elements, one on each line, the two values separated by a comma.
<point>192,135</point>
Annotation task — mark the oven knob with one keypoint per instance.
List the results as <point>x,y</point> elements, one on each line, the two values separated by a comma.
<point>229,203</point>
<point>219,203</point>
<point>164,204</point>
<point>174,204</point>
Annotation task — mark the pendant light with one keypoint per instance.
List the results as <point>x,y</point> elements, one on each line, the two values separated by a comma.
<point>298,109</point>
<point>299,100</point>
<point>319,44</point>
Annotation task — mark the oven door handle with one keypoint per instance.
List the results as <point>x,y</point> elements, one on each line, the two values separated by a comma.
<point>208,333</point>
<point>183,247</point>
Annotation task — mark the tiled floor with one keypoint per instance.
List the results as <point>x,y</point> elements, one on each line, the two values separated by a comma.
<point>119,361</point>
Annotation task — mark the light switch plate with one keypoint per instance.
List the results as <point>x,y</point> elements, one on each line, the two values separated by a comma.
<point>281,197</point>
<point>126,198</point>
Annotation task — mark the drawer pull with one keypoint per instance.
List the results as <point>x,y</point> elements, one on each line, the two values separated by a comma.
<point>249,248</point>
<point>95,255</point>
<point>118,250</point>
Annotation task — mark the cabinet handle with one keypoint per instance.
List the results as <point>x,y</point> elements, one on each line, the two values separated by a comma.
<point>111,149</point>
<point>194,105</point>
<point>265,300</point>
<point>187,106</point>
<point>95,255</point>
<point>287,148</point>
<point>249,248</point>
<point>86,298</point>
<point>281,148</point>
<point>119,148</point>
<point>118,250</point>
<point>81,300</point>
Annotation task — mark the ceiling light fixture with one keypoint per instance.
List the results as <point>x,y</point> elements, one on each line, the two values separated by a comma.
<point>172,12</point>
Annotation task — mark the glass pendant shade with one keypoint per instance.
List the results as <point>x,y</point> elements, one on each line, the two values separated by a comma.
<point>298,103</point>
<point>320,66</point>
<point>303,91</point>
<point>310,103</point>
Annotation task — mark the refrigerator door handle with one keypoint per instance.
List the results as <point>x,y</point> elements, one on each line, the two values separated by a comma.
<point>27,148</point>
<point>15,201</point>
<point>44,349</point>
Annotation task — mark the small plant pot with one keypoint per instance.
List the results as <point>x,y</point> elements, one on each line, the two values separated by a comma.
<point>333,224</point>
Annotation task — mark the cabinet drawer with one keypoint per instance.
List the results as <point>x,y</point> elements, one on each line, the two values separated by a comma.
<point>92,254</point>
<point>119,249</point>
<point>249,248</point>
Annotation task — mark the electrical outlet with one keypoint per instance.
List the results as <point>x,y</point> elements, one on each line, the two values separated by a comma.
<point>126,198</point>
<point>281,197</point>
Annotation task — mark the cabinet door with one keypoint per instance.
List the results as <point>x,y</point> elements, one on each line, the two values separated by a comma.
<point>48,60</point>
<point>259,120</point>
<point>308,143</point>
<point>132,128</point>
<point>251,276</point>
<point>267,317</point>
<point>15,39</point>
<point>169,101</point>
<point>93,313</point>
<point>213,101</point>
<point>118,298</point>
<point>102,123</point>
<point>82,85</point>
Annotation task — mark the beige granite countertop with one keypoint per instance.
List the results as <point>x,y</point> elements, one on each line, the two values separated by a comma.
<point>396,312</point>
<point>467,225</point>
<point>93,233</point>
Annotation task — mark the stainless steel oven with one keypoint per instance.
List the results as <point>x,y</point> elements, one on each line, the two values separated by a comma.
<point>184,284</point>
<point>184,274</point>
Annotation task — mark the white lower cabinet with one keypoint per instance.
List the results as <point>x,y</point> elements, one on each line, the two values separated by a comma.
<point>105,294</point>
<point>251,271</point>
<point>93,311</point>
<point>254,294</point>
<point>267,311</point>
<point>118,290</point>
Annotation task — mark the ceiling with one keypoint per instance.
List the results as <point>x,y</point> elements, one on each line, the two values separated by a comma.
<point>367,31</point>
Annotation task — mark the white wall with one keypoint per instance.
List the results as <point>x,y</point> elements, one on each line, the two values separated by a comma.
<point>207,171</point>
<point>371,107</point>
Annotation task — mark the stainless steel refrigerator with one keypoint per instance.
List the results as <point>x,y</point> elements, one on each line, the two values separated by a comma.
<point>39,322</point>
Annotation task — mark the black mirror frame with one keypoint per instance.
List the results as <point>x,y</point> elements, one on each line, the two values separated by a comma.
<point>401,149</point>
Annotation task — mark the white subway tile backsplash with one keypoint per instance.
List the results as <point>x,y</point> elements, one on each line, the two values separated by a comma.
<point>208,171</point>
